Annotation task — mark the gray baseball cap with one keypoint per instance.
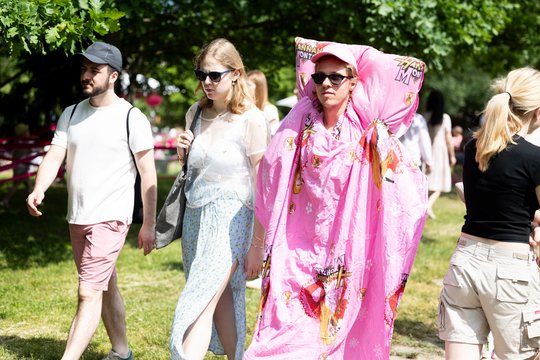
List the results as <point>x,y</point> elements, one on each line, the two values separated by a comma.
<point>103,53</point>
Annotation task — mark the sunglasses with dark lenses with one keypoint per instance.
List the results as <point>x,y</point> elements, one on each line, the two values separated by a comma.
<point>215,76</point>
<point>335,79</point>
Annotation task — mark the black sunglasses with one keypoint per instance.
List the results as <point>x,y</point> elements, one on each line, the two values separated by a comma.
<point>335,79</point>
<point>215,76</point>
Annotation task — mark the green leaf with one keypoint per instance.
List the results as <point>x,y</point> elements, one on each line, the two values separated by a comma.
<point>384,10</point>
<point>12,32</point>
<point>96,5</point>
<point>51,35</point>
<point>83,4</point>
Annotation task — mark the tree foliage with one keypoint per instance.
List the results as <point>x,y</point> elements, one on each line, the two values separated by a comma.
<point>159,39</point>
<point>42,25</point>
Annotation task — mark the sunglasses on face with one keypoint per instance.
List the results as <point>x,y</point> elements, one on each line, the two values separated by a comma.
<point>335,79</point>
<point>215,76</point>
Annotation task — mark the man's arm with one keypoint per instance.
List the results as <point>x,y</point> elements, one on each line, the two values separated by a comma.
<point>147,170</point>
<point>46,174</point>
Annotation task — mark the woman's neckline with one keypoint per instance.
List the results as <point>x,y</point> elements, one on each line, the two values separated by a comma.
<point>219,116</point>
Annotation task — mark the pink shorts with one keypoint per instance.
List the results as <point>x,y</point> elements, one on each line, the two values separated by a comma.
<point>95,250</point>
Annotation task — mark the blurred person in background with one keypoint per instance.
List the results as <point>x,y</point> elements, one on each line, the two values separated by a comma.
<point>259,86</point>
<point>417,141</point>
<point>442,149</point>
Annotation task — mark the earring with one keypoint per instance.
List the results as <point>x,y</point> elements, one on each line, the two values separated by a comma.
<point>234,82</point>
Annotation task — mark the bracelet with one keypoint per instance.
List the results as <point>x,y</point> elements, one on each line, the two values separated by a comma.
<point>261,238</point>
<point>257,246</point>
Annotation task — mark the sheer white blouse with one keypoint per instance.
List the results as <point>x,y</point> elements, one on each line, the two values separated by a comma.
<point>224,155</point>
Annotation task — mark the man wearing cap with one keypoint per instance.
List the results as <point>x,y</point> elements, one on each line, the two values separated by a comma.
<point>92,137</point>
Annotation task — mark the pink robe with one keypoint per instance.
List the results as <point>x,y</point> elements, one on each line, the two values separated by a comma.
<point>343,219</point>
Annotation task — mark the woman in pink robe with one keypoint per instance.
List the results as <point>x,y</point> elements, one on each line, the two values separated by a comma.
<point>340,207</point>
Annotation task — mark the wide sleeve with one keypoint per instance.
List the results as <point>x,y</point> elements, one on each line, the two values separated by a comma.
<point>257,132</point>
<point>388,84</point>
<point>276,169</point>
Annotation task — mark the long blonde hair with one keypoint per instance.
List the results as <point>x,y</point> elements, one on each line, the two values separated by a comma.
<point>516,97</point>
<point>239,99</point>
<point>261,87</point>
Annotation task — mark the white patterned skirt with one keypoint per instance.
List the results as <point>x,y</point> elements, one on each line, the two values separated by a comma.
<point>214,237</point>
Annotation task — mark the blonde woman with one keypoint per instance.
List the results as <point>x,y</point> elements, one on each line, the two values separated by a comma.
<point>229,139</point>
<point>493,283</point>
<point>259,87</point>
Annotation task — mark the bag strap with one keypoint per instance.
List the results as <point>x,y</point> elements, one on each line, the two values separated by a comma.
<point>73,112</point>
<point>192,128</point>
<point>195,118</point>
<point>127,130</point>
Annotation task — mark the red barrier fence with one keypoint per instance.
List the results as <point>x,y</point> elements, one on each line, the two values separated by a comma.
<point>23,156</point>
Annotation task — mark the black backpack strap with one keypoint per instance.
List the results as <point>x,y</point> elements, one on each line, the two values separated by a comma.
<point>127,130</point>
<point>137,215</point>
<point>73,112</point>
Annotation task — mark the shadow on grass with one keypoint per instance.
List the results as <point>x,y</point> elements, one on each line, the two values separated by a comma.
<point>428,239</point>
<point>27,241</point>
<point>418,331</point>
<point>41,348</point>
<point>173,266</point>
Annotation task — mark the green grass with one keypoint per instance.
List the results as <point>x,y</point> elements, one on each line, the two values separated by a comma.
<point>38,285</point>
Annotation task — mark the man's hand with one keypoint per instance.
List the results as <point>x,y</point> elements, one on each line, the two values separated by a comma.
<point>33,201</point>
<point>147,237</point>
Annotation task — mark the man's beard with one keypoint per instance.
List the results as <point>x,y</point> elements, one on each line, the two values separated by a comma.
<point>95,90</point>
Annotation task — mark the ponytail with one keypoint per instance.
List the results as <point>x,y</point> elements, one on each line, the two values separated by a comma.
<point>499,127</point>
<point>516,97</point>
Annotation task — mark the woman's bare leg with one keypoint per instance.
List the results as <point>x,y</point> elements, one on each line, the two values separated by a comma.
<point>224,320</point>
<point>462,351</point>
<point>198,334</point>
<point>431,201</point>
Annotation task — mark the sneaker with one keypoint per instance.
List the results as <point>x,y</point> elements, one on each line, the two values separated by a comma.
<point>113,355</point>
<point>254,284</point>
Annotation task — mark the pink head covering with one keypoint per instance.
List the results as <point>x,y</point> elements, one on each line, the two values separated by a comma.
<point>379,75</point>
<point>339,51</point>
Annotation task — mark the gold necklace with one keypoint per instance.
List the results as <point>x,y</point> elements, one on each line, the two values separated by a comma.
<point>221,114</point>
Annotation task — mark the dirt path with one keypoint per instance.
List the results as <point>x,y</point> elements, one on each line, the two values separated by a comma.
<point>406,352</point>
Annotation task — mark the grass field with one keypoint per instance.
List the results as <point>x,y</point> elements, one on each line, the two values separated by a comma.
<point>38,285</point>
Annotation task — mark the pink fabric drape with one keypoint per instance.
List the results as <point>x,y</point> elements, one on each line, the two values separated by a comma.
<point>343,217</point>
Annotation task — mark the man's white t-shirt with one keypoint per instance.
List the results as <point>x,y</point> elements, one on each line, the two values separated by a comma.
<point>100,169</point>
